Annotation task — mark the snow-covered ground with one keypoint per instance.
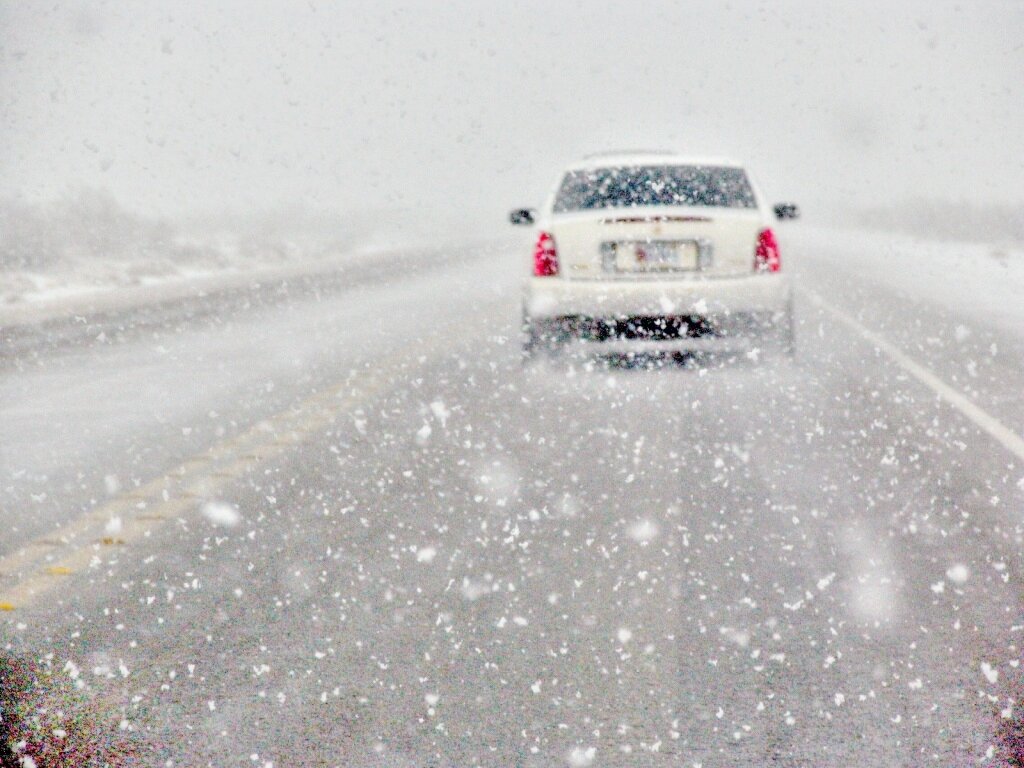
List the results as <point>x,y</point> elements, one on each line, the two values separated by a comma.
<point>89,255</point>
<point>693,551</point>
<point>89,285</point>
<point>96,285</point>
<point>971,279</point>
<point>984,280</point>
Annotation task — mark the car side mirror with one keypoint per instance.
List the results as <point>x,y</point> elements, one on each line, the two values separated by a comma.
<point>522,217</point>
<point>787,211</point>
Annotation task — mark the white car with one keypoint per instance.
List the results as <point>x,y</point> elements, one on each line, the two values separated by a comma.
<point>649,252</point>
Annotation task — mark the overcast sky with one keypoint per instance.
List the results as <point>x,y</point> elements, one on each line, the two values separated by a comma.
<point>189,106</point>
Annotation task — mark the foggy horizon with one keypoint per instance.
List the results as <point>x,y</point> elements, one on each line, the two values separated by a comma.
<point>243,108</point>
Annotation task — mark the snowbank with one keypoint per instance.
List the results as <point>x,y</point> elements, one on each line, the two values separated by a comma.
<point>86,254</point>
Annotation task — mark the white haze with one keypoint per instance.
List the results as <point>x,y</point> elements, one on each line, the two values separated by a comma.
<point>468,107</point>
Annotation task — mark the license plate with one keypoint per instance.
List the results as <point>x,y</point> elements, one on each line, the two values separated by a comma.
<point>652,256</point>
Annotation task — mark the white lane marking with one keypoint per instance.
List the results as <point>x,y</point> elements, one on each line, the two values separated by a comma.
<point>985,421</point>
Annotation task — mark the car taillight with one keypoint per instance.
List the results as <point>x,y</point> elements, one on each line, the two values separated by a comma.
<point>545,257</point>
<point>766,255</point>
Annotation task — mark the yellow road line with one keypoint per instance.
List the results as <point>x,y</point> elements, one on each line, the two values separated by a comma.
<point>44,563</point>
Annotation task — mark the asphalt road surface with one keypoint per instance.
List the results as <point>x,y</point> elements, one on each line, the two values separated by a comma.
<point>336,523</point>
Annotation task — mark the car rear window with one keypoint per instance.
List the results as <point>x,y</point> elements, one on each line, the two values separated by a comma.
<point>628,186</point>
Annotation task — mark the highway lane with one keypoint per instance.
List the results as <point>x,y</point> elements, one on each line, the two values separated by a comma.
<point>82,422</point>
<point>463,562</point>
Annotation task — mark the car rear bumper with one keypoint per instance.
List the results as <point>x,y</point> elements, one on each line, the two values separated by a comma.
<point>718,298</point>
<point>643,317</point>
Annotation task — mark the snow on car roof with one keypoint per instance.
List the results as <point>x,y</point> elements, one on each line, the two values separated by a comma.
<point>621,158</point>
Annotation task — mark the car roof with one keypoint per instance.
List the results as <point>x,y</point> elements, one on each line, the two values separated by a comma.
<point>622,158</point>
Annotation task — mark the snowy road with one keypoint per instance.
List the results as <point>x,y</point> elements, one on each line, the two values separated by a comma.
<point>342,526</point>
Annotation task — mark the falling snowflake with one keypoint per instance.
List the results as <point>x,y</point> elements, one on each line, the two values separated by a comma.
<point>221,514</point>
<point>958,573</point>
<point>581,757</point>
<point>643,531</point>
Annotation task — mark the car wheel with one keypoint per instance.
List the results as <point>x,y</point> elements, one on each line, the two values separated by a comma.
<point>540,339</point>
<point>529,350</point>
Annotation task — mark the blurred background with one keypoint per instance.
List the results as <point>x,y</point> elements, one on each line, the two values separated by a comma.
<point>232,131</point>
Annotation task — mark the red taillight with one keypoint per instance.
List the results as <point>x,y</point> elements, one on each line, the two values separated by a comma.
<point>766,255</point>
<point>545,257</point>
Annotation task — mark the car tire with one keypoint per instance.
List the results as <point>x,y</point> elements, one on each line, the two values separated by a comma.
<point>540,339</point>
<point>529,350</point>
